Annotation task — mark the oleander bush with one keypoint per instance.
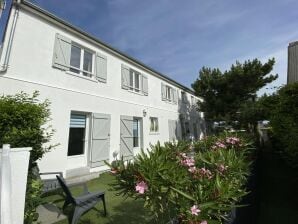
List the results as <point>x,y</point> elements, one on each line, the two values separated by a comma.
<point>195,183</point>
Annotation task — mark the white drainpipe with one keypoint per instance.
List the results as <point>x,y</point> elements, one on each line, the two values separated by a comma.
<point>11,35</point>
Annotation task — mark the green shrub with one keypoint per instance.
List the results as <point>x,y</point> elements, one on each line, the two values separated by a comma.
<point>284,122</point>
<point>22,124</point>
<point>194,183</point>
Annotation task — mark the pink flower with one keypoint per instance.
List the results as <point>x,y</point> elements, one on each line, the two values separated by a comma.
<point>190,162</point>
<point>195,210</point>
<point>222,168</point>
<point>220,145</point>
<point>204,222</point>
<point>205,172</point>
<point>187,161</point>
<point>192,169</point>
<point>232,140</point>
<point>141,187</point>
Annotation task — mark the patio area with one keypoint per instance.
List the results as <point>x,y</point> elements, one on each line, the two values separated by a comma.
<point>120,210</point>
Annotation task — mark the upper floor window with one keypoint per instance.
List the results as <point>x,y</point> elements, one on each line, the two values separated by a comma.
<point>81,61</point>
<point>168,93</point>
<point>183,97</point>
<point>134,80</point>
<point>70,56</point>
<point>192,100</point>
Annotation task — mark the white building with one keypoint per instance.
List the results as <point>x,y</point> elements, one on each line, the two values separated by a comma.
<point>103,102</point>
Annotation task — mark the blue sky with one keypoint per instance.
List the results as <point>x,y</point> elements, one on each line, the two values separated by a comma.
<point>178,37</point>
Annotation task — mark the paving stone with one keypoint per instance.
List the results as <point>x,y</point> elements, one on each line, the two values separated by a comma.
<point>49,213</point>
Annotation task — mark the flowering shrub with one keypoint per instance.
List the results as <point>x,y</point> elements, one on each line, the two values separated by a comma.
<point>197,184</point>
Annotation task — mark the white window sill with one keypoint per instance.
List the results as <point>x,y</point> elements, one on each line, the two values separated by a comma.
<point>170,102</point>
<point>76,156</point>
<point>81,76</point>
<point>138,93</point>
<point>153,133</point>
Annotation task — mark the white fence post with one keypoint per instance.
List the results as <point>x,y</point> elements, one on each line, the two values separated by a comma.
<point>14,169</point>
<point>5,195</point>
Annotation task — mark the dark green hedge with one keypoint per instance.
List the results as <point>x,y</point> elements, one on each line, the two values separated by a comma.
<point>284,122</point>
<point>22,124</point>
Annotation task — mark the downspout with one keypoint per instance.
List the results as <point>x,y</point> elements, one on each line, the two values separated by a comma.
<point>11,35</point>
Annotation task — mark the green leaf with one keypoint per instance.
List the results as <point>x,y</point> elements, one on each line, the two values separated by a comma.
<point>183,194</point>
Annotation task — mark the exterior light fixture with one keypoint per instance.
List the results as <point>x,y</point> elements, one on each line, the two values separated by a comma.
<point>144,113</point>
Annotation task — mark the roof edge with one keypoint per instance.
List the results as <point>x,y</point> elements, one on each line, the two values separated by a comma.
<point>102,44</point>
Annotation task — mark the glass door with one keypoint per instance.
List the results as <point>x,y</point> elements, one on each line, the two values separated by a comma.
<point>136,133</point>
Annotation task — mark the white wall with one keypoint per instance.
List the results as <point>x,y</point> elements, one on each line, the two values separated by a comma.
<point>30,69</point>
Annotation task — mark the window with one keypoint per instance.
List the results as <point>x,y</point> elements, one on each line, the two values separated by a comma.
<point>136,132</point>
<point>169,93</point>
<point>77,131</point>
<point>183,97</point>
<point>193,101</point>
<point>135,79</point>
<point>81,61</point>
<point>187,128</point>
<point>153,124</point>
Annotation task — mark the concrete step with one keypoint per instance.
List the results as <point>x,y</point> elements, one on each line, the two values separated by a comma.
<point>79,175</point>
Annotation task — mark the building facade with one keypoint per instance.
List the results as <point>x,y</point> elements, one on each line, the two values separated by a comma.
<point>292,62</point>
<point>104,104</point>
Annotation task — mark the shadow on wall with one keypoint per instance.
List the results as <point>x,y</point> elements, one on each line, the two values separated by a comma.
<point>191,124</point>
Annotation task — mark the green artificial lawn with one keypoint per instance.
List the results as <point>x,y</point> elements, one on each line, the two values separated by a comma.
<point>120,210</point>
<point>278,191</point>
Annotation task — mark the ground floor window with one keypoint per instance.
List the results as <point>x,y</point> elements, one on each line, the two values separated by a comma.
<point>153,124</point>
<point>77,132</point>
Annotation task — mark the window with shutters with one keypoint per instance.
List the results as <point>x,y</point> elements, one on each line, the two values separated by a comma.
<point>193,100</point>
<point>154,124</point>
<point>77,132</point>
<point>183,97</point>
<point>77,59</point>
<point>169,94</point>
<point>81,61</point>
<point>135,81</point>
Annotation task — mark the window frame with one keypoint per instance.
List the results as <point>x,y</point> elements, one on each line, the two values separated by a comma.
<point>154,121</point>
<point>132,77</point>
<point>183,97</point>
<point>137,121</point>
<point>81,70</point>
<point>194,101</point>
<point>169,93</point>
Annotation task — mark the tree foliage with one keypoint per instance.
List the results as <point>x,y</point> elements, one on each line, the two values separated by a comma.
<point>225,92</point>
<point>284,122</point>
